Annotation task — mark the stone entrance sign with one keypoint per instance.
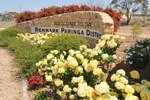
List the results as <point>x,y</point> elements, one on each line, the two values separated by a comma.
<point>88,24</point>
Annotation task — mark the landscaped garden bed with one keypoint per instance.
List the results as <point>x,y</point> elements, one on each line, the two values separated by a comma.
<point>79,73</point>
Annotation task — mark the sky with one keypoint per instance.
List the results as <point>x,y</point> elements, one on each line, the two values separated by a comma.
<point>36,5</point>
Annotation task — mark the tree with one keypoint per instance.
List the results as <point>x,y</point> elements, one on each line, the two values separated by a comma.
<point>128,5</point>
<point>144,9</point>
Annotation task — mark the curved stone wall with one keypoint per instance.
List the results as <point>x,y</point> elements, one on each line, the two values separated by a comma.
<point>89,24</point>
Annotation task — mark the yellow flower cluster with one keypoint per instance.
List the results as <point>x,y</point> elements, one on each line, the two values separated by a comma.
<point>36,39</point>
<point>128,91</point>
<point>143,89</point>
<point>121,84</point>
<point>76,73</point>
<point>113,40</point>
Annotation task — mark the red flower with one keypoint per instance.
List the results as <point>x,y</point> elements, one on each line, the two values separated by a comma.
<point>36,80</point>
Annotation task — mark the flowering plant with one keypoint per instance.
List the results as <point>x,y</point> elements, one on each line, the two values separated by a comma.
<point>128,89</point>
<point>36,39</point>
<point>138,55</point>
<point>78,74</point>
<point>36,80</point>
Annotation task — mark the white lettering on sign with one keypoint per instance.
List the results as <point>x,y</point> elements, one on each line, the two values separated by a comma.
<point>82,32</point>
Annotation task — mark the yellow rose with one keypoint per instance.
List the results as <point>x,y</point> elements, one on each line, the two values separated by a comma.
<point>71,52</point>
<point>119,85</point>
<point>62,57</point>
<point>76,71</point>
<point>97,48</point>
<point>54,52</point>
<point>97,71</point>
<point>147,84</point>
<point>88,68</point>
<point>129,89</point>
<point>81,92</point>
<point>135,74</point>
<point>67,89</point>
<point>123,80</point>
<point>129,96</point>
<point>113,98</point>
<point>105,37</point>
<point>121,72</point>
<point>63,95</point>
<point>89,91</point>
<point>114,56</point>
<point>138,89</point>
<point>111,44</point>
<point>114,77</point>
<point>48,78</point>
<point>61,64</point>
<point>101,88</point>
<point>80,79</point>
<point>58,82</point>
<point>71,97</point>
<point>82,47</point>
<point>148,95</point>
<point>93,63</point>
<point>115,36</point>
<point>75,89</point>
<point>99,98</point>
<point>104,56</point>
<point>143,95</point>
<point>82,89</point>
<point>79,56</point>
<point>44,62</point>
<point>73,63</point>
<point>101,43</point>
<point>85,62</point>
<point>61,70</point>
<point>80,69</point>
<point>74,80</point>
<point>93,53</point>
<point>39,63</point>
<point>54,69</point>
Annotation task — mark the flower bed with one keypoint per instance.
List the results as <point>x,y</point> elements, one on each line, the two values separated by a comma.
<point>80,74</point>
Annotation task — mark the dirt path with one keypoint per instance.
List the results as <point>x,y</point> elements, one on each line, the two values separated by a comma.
<point>10,87</point>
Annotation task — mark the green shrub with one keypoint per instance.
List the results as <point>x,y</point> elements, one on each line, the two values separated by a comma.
<point>63,43</point>
<point>11,32</point>
<point>26,56</point>
<point>138,55</point>
<point>7,35</point>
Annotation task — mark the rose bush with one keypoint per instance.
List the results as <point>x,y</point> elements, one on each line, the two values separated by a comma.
<point>78,74</point>
<point>127,88</point>
<point>36,80</point>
